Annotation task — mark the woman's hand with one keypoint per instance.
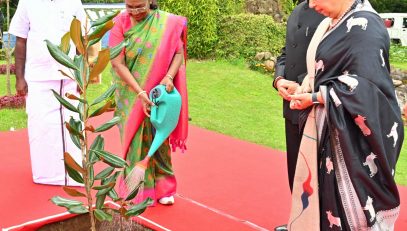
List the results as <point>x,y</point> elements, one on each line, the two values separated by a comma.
<point>286,88</point>
<point>301,101</point>
<point>303,89</point>
<point>169,84</point>
<point>292,87</point>
<point>146,102</point>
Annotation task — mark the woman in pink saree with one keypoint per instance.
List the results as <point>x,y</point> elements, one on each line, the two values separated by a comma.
<point>155,54</point>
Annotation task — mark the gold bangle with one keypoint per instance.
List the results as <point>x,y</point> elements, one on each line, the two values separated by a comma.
<point>170,77</point>
<point>141,92</point>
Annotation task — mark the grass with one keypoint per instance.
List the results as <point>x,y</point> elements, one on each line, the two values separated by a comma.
<point>235,101</point>
<point>401,170</point>
<point>17,118</point>
<point>224,97</point>
<point>11,118</point>
<point>398,56</point>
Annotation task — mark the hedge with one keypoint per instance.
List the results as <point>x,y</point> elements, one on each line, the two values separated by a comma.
<point>243,35</point>
<point>203,20</point>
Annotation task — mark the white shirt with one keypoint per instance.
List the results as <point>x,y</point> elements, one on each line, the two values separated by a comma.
<point>37,20</point>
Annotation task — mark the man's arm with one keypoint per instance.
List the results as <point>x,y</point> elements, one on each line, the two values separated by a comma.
<point>20,55</point>
<point>284,87</point>
<point>279,68</point>
<point>20,27</point>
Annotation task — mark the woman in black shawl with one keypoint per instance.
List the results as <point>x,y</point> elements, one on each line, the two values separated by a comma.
<point>352,124</point>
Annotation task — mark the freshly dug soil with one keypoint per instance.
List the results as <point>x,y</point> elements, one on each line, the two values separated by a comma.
<point>82,223</point>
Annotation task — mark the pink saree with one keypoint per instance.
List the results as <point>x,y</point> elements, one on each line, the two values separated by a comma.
<point>148,55</point>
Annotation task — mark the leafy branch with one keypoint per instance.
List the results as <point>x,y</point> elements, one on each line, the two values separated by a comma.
<point>81,71</point>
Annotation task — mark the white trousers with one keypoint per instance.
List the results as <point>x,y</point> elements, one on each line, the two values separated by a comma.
<point>48,136</point>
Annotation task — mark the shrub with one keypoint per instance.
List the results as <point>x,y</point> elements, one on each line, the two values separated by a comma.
<point>203,20</point>
<point>202,31</point>
<point>244,35</point>
<point>398,53</point>
<point>288,6</point>
<point>230,7</point>
<point>14,101</point>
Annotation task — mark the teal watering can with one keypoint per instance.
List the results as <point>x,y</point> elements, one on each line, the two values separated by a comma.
<point>164,115</point>
<point>164,118</point>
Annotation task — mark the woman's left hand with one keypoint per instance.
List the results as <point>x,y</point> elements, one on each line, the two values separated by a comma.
<point>169,85</point>
<point>301,101</point>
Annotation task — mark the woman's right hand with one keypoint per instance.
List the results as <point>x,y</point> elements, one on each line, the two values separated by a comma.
<point>301,101</point>
<point>146,102</point>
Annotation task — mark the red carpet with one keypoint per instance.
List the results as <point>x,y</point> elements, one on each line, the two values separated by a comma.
<point>223,184</point>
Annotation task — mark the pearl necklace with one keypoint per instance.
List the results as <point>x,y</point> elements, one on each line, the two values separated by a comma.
<point>332,25</point>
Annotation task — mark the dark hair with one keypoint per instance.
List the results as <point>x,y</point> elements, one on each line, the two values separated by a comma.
<point>153,5</point>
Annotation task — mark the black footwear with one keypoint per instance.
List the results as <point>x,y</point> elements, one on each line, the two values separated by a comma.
<point>281,228</point>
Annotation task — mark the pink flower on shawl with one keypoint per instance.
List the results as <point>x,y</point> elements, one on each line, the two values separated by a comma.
<point>148,44</point>
<point>126,102</point>
<point>138,40</point>
<point>136,74</point>
<point>319,66</point>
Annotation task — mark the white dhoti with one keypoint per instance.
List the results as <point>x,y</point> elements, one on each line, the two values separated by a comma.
<point>48,136</point>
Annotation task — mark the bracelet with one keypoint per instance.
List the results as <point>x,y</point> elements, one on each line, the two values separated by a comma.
<point>314,98</point>
<point>141,92</point>
<point>170,77</point>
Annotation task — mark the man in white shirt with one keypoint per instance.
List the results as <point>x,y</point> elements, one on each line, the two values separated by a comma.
<point>36,74</point>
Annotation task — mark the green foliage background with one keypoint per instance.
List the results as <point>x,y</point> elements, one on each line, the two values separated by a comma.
<point>398,53</point>
<point>243,35</point>
<point>389,6</point>
<point>203,21</point>
<point>208,21</point>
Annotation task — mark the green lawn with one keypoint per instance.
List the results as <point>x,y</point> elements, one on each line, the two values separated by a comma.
<point>235,101</point>
<point>16,118</point>
<point>224,97</point>
<point>11,118</point>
